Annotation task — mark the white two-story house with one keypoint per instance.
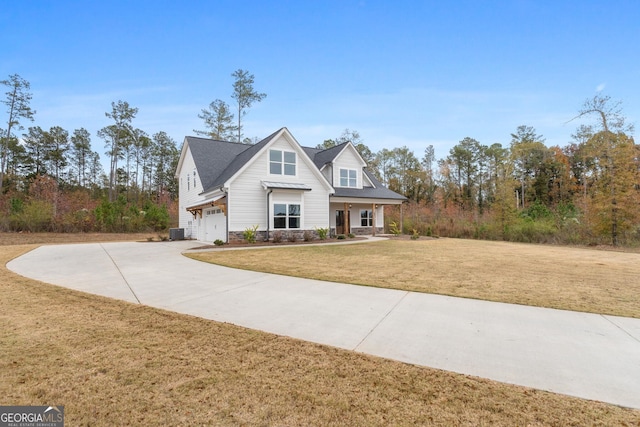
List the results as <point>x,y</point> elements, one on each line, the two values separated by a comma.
<point>278,186</point>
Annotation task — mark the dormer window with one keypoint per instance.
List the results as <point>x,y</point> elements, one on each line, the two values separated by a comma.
<point>348,178</point>
<point>282,162</point>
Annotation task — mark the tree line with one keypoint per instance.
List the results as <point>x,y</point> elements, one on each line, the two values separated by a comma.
<point>586,192</point>
<point>53,180</point>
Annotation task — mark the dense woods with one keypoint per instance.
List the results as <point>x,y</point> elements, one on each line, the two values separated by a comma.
<point>585,192</point>
<point>53,180</point>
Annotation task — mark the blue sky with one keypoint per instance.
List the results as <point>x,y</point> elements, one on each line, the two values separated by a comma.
<point>402,73</point>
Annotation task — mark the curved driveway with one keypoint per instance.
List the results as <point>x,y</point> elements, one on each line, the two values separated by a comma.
<point>586,355</point>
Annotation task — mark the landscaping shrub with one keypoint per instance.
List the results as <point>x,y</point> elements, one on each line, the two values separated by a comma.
<point>322,233</point>
<point>250,234</point>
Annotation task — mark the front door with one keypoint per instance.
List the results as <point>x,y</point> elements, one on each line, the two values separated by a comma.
<point>340,222</point>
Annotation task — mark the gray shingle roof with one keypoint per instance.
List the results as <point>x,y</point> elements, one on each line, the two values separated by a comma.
<point>322,157</point>
<point>377,192</point>
<point>217,161</point>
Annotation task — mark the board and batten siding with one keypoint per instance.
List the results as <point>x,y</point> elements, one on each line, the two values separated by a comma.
<point>188,195</point>
<point>248,199</point>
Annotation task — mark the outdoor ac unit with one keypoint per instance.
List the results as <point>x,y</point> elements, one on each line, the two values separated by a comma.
<point>176,234</point>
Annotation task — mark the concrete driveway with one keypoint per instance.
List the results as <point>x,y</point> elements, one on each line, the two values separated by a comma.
<point>585,355</point>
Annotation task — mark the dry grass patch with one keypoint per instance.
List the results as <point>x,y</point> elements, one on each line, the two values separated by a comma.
<point>115,363</point>
<point>566,278</point>
<point>61,238</point>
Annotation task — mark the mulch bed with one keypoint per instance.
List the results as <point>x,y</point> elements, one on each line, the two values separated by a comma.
<point>244,244</point>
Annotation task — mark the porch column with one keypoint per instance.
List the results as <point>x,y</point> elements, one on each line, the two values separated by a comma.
<point>373,219</point>
<point>347,225</point>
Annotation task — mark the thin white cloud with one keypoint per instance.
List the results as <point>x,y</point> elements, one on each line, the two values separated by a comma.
<point>600,87</point>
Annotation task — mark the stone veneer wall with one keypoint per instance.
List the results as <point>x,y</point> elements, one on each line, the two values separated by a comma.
<point>261,236</point>
<point>360,231</point>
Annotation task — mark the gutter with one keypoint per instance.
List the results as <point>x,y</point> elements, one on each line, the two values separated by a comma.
<point>268,204</point>
<point>226,194</point>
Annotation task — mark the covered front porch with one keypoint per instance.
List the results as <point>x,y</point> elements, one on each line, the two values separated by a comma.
<point>357,216</point>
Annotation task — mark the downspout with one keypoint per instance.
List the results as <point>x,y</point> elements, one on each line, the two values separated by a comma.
<point>268,204</point>
<point>329,209</point>
<point>334,189</point>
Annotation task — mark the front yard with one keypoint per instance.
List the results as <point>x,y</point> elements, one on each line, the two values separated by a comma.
<point>114,363</point>
<point>579,279</point>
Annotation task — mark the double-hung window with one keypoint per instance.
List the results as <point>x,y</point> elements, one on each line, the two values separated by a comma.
<point>282,162</point>
<point>286,215</point>
<point>366,218</point>
<point>348,178</point>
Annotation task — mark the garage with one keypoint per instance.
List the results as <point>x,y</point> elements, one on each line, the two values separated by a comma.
<point>215,225</point>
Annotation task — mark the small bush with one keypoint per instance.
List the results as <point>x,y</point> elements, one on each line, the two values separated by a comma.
<point>149,239</point>
<point>218,242</point>
<point>292,237</point>
<point>351,235</point>
<point>307,236</point>
<point>394,228</point>
<point>250,234</point>
<point>277,237</point>
<point>322,233</point>
<point>415,235</point>
<point>163,237</point>
<point>341,237</point>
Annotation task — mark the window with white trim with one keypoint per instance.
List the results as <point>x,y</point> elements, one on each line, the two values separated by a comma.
<point>366,217</point>
<point>348,178</point>
<point>286,215</point>
<point>282,162</point>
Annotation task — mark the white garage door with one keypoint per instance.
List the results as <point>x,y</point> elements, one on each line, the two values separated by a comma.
<point>215,225</point>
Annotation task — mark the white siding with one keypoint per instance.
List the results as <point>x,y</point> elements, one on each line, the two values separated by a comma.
<point>347,160</point>
<point>248,199</point>
<point>327,172</point>
<point>188,196</point>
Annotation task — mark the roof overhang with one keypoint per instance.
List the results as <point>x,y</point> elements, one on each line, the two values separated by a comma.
<point>271,185</point>
<point>220,200</point>
<point>365,200</point>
